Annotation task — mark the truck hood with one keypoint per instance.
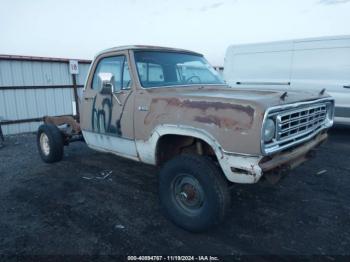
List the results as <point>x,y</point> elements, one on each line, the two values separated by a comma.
<point>263,98</point>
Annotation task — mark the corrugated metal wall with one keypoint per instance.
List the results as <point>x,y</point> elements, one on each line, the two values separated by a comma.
<point>35,87</point>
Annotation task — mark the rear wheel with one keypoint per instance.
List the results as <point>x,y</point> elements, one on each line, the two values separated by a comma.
<point>50,143</point>
<point>193,192</point>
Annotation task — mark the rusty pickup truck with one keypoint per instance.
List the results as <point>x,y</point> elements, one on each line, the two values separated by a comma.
<point>168,107</point>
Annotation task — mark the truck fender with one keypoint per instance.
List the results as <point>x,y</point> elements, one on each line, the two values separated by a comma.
<point>147,148</point>
<point>248,170</point>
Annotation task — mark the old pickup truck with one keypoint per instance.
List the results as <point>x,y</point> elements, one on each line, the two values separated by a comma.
<point>168,107</point>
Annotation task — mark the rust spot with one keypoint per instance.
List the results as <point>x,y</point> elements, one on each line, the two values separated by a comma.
<point>241,117</point>
<point>173,101</point>
<point>205,105</point>
<point>223,122</point>
<point>158,108</point>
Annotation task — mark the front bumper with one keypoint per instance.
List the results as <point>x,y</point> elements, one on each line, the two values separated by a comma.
<point>249,169</point>
<point>293,157</point>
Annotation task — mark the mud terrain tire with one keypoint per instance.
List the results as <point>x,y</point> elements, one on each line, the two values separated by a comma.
<point>193,192</point>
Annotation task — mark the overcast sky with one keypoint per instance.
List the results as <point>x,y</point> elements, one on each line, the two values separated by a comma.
<point>79,29</point>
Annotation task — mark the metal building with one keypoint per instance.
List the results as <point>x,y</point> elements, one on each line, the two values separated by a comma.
<point>32,87</point>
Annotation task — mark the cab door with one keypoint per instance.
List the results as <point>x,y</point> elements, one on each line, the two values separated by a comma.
<point>107,117</point>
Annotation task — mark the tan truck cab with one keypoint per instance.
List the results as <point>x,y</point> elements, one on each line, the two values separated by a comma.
<point>168,107</point>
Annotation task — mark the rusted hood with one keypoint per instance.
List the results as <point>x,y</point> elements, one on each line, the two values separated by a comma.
<point>261,98</point>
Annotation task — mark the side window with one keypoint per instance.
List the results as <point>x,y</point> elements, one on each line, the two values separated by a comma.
<point>118,66</point>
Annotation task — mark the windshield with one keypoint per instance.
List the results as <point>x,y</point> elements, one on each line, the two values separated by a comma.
<point>171,69</point>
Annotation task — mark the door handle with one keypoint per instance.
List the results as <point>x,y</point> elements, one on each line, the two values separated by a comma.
<point>88,98</point>
<point>346,86</point>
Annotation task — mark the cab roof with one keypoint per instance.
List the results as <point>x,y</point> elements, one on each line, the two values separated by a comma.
<point>146,48</point>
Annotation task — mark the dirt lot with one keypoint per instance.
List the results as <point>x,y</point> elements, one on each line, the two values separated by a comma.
<point>74,207</point>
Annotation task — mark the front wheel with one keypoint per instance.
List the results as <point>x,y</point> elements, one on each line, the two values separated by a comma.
<point>50,143</point>
<point>193,192</point>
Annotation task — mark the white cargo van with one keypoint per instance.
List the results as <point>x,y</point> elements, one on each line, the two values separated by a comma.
<point>314,63</point>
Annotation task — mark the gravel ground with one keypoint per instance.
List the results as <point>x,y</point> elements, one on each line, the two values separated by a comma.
<point>96,203</point>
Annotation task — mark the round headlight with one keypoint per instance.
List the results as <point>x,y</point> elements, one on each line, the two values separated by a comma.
<point>269,130</point>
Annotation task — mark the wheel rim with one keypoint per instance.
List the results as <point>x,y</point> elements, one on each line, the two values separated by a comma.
<point>188,193</point>
<point>44,144</point>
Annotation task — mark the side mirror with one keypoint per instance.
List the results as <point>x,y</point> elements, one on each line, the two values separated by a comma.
<point>106,82</point>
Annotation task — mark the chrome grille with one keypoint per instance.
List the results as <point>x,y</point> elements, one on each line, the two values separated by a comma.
<point>296,123</point>
<point>301,121</point>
